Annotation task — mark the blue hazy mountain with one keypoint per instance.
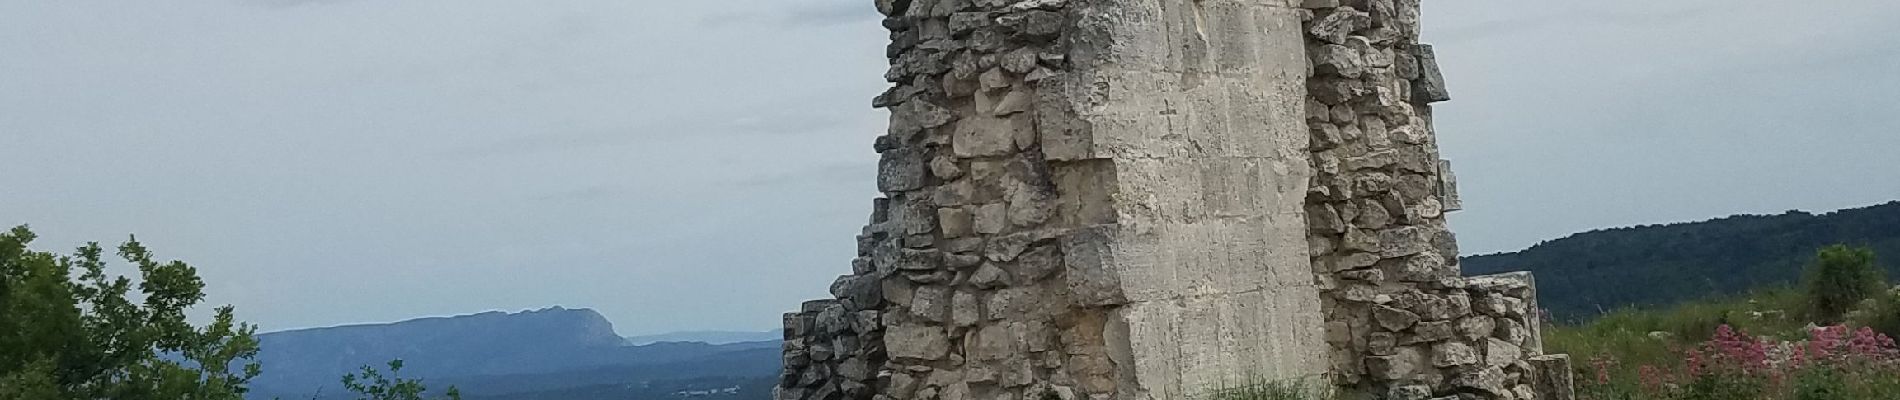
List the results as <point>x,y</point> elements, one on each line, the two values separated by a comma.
<point>549,353</point>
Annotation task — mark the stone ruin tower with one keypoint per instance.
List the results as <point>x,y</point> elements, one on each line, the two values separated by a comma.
<point>1158,199</point>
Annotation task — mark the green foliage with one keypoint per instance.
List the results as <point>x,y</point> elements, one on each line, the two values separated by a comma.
<point>371,384</point>
<point>1723,387</point>
<point>1840,278</point>
<point>91,337</point>
<point>1645,336</point>
<point>1882,313</point>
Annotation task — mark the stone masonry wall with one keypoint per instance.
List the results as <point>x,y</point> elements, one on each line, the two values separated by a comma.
<point>960,275</point>
<point>1400,319</point>
<point>1153,199</point>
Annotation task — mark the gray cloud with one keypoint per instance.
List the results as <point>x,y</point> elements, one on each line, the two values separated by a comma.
<point>804,14</point>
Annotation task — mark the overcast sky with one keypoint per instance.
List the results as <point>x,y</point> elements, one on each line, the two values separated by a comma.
<point>685,165</point>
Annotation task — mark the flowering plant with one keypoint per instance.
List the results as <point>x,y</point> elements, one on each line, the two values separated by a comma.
<point>1834,362</point>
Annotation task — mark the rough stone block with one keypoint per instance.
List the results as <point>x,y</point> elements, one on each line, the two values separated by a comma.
<point>931,303</point>
<point>1393,319</point>
<point>1551,377</point>
<point>917,342</point>
<point>900,170</point>
<point>1404,363</point>
<point>955,221</point>
<point>1452,354</point>
<point>983,136</point>
<point>963,309</point>
<point>1500,353</point>
<point>1430,86</point>
<point>1089,264</point>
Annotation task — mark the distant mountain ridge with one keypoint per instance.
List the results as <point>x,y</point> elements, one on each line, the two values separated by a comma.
<point>707,337</point>
<point>1585,274</point>
<point>496,355</point>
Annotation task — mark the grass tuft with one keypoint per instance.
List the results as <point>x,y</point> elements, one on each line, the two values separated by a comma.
<point>1260,389</point>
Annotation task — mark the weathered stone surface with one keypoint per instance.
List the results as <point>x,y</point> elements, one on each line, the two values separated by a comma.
<point>1393,319</point>
<point>1409,392</point>
<point>1005,248</point>
<point>989,276</point>
<point>1551,377</point>
<point>983,136</point>
<point>1403,363</point>
<point>892,7</point>
<point>1334,25</point>
<point>1337,60</point>
<point>1403,241</point>
<point>920,342</point>
<point>1488,380</point>
<point>918,260</point>
<point>1452,354</point>
<point>955,221</point>
<point>991,218</point>
<point>1423,267</point>
<point>1477,327</point>
<point>963,309</point>
<point>1512,331</point>
<point>1323,218</point>
<point>1426,332</point>
<point>913,117</point>
<point>1430,86</point>
<point>900,170</point>
<point>931,303</point>
<point>1035,25</point>
<point>858,292</point>
<point>962,260</point>
<point>1499,353</point>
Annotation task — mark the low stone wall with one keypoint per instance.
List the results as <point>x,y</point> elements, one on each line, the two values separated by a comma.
<point>1475,336</point>
<point>831,353</point>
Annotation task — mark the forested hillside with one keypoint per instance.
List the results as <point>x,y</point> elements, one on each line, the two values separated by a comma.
<point>1588,273</point>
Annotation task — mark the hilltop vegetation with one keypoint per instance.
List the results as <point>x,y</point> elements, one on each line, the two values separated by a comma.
<point>1590,273</point>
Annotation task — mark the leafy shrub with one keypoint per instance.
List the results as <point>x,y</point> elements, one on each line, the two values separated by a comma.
<point>371,384</point>
<point>1882,313</point>
<point>1840,278</point>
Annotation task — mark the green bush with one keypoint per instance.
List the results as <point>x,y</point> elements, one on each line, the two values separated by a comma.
<point>1840,278</point>
<point>1882,313</point>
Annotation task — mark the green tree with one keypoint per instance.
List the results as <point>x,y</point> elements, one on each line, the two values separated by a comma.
<point>370,384</point>
<point>1840,279</point>
<point>91,337</point>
